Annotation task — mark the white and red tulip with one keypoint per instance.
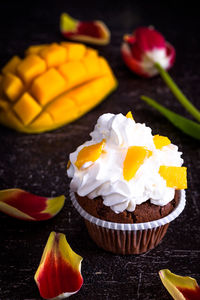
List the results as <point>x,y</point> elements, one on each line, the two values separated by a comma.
<point>145,47</point>
<point>59,273</point>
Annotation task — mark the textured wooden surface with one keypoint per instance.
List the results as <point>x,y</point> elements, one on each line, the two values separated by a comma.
<point>37,163</point>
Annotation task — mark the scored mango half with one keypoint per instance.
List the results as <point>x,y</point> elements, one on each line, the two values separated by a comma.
<point>53,85</point>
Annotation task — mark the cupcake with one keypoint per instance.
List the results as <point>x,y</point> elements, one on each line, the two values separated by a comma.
<point>127,184</point>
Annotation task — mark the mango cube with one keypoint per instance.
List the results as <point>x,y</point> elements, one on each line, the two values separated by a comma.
<point>27,108</point>
<point>54,55</point>
<point>12,86</point>
<point>31,67</point>
<point>11,66</point>
<point>161,141</point>
<point>51,79</point>
<point>176,177</point>
<point>75,51</point>
<point>74,72</point>
<point>35,49</point>
<point>89,154</point>
<point>134,159</point>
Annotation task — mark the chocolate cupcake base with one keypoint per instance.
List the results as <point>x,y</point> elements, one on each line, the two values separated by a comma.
<point>121,238</point>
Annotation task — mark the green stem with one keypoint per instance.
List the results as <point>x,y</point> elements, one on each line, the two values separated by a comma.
<point>177,93</point>
<point>187,126</point>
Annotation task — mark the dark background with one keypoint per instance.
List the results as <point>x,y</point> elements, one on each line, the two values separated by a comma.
<point>37,163</point>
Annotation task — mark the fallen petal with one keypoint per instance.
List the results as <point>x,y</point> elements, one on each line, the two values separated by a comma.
<point>26,206</point>
<point>59,273</point>
<point>180,287</point>
<point>94,32</point>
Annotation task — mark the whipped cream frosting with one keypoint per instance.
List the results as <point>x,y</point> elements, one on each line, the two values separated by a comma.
<point>104,177</point>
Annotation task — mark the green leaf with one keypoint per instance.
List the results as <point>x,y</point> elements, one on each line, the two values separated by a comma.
<point>187,126</point>
<point>178,93</point>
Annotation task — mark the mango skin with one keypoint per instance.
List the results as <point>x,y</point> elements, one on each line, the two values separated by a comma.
<point>60,83</point>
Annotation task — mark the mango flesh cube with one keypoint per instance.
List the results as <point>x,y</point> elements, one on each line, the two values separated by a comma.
<point>51,79</point>
<point>43,121</point>
<point>27,108</point>
<point>35,49</point>
<point>161,141</point>
<point>74,72</point>
<point>62,108</point>
<point>74,51</point>
<point>89,154</point>
<point>54,55</point>
<point>129,115</point>
<point>31,67</point>
<point>11,66</point>
<point>176,177</point>
<point>134,159</point>
<point>92,65</point>
<point>12,86</point>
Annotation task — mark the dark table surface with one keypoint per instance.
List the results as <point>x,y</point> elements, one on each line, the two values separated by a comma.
<point>37,163</point>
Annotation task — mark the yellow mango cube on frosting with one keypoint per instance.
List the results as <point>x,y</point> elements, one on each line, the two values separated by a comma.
<point>134,159</point>
<point>53,85</point>
<point>161,141</point>
<point>89,154</point>
<point>176,177</point>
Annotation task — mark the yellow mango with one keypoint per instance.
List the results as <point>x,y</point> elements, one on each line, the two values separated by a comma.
<point>43,120</point>
<point>135,157</point>
<point>89,154</point>
<point>35,49</point>
<point>160,141</point>
<point>11,66</point>
<point>12,86</point>
<point>27,108</point>
<point>48,86</point>
<point>176,177</point>
<point>53,85</point>
<point>75,51</point>
<point>129,115</point>
<point>31,67</point>
<point>62,108</point>
<point>54,55</point>
<point>74,72</point>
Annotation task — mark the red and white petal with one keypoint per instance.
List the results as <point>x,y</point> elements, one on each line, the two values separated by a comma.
<point>59,273</point>
<point>26,206</point>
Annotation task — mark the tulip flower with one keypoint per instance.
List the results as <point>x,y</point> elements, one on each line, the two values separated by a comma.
<point>144,48</point>
<point>59,273</point>
<point>147,54</point>
<point>23,205</point>
<point>180,287</point>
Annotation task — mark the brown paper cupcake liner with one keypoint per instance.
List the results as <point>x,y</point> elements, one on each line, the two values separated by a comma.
<point>128,238</point>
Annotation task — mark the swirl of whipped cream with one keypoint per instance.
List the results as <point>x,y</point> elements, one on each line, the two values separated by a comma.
<point>104,177</point>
